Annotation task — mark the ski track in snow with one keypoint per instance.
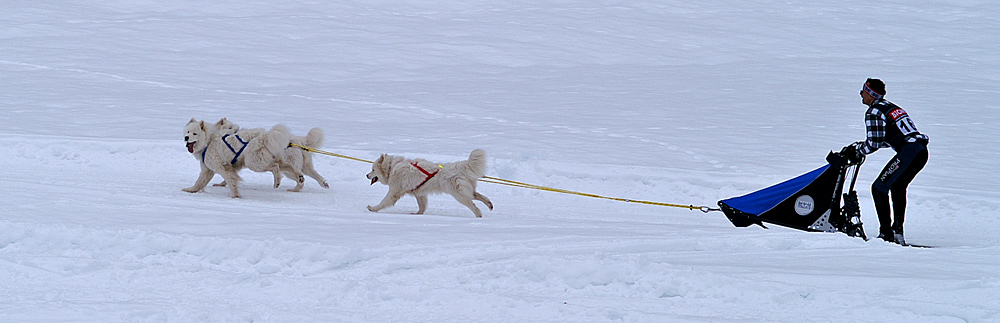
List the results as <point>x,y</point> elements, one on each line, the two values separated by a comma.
<point>557,128</point>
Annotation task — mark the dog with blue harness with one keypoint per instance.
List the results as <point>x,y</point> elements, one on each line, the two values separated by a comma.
<point>296,162</point>
<point>222,151</point>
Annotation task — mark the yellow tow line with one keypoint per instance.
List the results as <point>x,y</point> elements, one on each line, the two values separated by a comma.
<point>494,180</point>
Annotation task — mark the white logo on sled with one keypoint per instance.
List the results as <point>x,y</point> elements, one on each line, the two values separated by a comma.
<point>804,205</point>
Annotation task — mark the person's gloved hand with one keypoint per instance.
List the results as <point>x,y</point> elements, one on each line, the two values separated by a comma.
<point>852,153</point>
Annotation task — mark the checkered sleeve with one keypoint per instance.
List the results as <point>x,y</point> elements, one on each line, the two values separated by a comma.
<point>875,127</point>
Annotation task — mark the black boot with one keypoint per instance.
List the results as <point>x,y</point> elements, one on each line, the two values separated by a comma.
<point>897,234</point>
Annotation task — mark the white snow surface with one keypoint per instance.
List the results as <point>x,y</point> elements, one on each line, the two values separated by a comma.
<point>669,101</point>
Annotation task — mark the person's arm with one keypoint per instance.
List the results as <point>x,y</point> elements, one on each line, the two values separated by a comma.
<point>875,128</point>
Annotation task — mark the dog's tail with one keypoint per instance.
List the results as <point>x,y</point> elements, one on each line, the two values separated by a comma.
<point>276,140</point>
<point>315,138</point>
<point>477,162</point>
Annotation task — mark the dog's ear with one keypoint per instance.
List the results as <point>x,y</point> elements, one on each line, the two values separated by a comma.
<point>193,120</point>
<point>221,122</point>
<point>202,125</point>
<point>385,161</point>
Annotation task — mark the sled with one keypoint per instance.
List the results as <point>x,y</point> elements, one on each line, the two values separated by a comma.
<point>809,202</point>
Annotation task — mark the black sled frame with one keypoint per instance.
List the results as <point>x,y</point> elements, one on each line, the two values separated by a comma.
<point>849,221</point>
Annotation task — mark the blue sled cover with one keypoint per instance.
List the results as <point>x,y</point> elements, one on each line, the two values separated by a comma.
<point>806,202</point>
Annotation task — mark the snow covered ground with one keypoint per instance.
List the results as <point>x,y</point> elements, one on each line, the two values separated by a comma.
<point>669,101</point>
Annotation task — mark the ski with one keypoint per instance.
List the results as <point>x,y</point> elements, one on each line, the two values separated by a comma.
<point>912,245</point>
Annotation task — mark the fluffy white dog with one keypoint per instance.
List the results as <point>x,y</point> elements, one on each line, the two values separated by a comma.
<point>227,153</point>
<point>420,178</point>
<point>295,161</point>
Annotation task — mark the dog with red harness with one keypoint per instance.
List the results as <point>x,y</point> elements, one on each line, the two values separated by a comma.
<point>420,178</point>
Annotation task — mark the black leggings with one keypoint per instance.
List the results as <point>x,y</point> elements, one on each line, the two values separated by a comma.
<point>895,177</point>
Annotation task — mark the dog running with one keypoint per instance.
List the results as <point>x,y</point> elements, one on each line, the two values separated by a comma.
<point>295,162</point>
<point>227,153</point>
<point>420,178</point>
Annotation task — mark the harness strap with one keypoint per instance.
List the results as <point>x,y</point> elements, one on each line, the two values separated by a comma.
<point>429,175</point>
<point>238,153</point>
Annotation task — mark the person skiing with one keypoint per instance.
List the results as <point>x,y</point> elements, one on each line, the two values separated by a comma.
<point>888,125</point>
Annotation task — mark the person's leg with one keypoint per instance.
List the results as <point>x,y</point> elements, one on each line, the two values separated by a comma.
<point>881,200</point>
<point>898,207</point>
<point>919,159</point>
<point>880,197</point>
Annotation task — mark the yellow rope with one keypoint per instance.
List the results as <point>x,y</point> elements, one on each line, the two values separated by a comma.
<point>494,180</point>
<point>501,181</point>
<point>329,153</point>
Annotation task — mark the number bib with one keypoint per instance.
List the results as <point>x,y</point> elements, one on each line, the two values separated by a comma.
<point>902,121</point>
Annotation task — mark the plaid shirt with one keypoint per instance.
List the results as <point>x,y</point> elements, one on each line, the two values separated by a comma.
<point>880,136</point>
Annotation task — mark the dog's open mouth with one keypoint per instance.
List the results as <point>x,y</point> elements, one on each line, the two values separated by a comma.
<point>374,179</point>
<point>190,146</point>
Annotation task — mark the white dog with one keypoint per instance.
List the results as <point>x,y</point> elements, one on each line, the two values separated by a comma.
<point>226,153</point>
<point>420,178</point>
<point>295,162</point>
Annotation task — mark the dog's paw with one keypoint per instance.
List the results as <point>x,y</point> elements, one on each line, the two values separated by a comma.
<point>190,190</point>
<point>370,208</point>
<point>325,185</point>
<point>222,184</point>
<point>490,205</point>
